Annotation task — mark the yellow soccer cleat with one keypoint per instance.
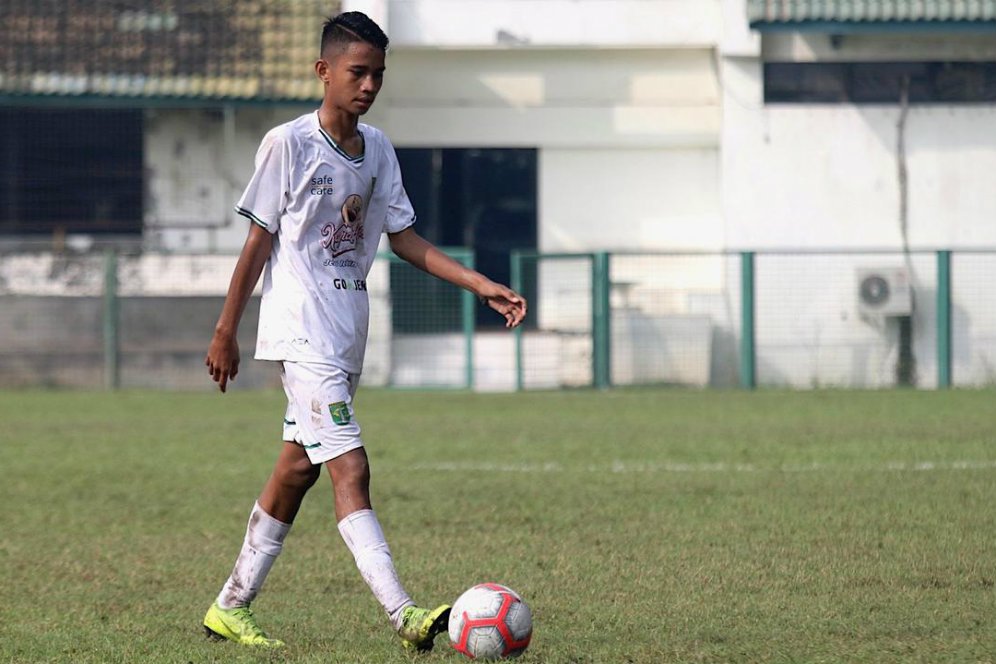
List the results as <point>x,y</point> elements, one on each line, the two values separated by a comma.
<point>419,627</point>
<point>239,625</point>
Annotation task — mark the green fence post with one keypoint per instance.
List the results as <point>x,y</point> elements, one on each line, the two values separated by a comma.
<point>112,375</point>
<point>468,304</point>
<point>601,324</point>
<point>943,319</point>
<point>516,285</point>
<point>748,369</point>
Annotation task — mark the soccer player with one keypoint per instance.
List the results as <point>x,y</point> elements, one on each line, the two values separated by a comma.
<point>325,188</point>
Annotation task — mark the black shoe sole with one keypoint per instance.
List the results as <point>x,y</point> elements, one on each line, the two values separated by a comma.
<point>213,635</point>
<point>438,626</point>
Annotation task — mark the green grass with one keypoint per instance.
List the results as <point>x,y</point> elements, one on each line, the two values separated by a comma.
<point>641,526</point>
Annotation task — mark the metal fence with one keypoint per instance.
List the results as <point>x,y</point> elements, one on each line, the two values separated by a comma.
<point>851,319</point>
<point>144,321</point>
<point>855,319</point>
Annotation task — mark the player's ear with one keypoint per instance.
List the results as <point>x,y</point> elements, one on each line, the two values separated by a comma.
<point>322,70</point>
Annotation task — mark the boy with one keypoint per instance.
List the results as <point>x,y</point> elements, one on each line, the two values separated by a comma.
<point>324,189</point>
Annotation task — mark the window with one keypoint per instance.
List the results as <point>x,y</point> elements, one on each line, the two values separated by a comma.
<point>70,171</point>
<point>483,199</point>
<point>879,82</point>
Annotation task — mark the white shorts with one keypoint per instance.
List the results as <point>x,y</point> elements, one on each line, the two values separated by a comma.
<point>319,414</point>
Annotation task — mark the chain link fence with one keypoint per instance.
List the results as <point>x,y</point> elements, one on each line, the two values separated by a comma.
<point>770,319</point>
<point>144,320</point>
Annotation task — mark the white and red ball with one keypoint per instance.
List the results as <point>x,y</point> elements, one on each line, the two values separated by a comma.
<point>490,621</point>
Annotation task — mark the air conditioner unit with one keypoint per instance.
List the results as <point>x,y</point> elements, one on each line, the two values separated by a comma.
<point>884,291</point>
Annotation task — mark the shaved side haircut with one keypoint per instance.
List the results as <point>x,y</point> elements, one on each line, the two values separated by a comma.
<point>339,31</point>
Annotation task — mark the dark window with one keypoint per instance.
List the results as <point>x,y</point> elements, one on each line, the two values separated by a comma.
<point>70,171</point>
<point>879,82</point>
<point>482,199</point>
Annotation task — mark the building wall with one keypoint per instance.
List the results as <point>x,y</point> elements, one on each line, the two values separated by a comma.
<point>197,163</point>
<point>814,176</point>
<point>641,126</point>
<point>491,23</point>
<point>828,175</point>
<point>636,130</point>
<point>629,200</point>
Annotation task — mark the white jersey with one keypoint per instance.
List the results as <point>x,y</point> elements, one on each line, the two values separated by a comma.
<point>327,211</point>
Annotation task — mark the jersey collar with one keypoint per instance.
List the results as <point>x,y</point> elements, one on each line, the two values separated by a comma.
<point>358,159</point>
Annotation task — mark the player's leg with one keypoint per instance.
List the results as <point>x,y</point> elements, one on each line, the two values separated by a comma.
<point>269,522</point>
<point>361,530</point>
<point>293,474</point>
<point>349,470</point>
<point>330,435</point>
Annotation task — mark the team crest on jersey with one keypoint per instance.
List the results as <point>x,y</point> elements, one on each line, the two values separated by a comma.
<point>342,235</point>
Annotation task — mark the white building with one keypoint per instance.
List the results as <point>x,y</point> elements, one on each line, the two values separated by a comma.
<point>863,126</point>
<point>776,126</point>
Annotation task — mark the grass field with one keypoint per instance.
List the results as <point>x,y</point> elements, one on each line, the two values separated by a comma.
<point>641,526</point>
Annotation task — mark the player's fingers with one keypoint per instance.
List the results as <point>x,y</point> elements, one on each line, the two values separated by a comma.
<point>219,375</point>
<point>234,370</point>
<point>511,295</point>
<point>515,312</point>
<point>508,313</point>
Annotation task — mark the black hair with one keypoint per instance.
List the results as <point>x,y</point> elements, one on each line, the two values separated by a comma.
<point>352,27</point>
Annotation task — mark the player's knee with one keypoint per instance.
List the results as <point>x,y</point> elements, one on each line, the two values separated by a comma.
<point>351,470</point>
<point>310,473</point>
<point>301,473</point>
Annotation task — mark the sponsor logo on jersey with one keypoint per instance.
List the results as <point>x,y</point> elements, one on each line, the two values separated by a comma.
<point>343,235</point>
<point>339,262</point>
<point>340,413</point>
<point>322,186</point>
<point>350,284</point>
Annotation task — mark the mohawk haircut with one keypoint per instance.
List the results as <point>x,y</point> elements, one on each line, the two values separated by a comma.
<point>352,27</point>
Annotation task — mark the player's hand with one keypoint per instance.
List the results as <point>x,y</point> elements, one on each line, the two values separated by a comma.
<point>505,301</point>
<point>222,359</point>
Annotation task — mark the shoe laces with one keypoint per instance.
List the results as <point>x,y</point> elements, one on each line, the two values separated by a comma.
<point>412,618</point>
<point>248,621</point>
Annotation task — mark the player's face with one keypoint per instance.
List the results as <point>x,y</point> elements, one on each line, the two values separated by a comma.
<point>353,77</point>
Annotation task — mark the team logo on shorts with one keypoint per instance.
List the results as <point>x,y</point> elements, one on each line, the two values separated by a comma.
<point>340,412</point>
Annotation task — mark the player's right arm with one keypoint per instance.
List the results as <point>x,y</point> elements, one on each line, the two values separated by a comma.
<point>223,354</point>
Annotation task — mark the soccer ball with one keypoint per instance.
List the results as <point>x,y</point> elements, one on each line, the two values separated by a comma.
<point>490,621</point>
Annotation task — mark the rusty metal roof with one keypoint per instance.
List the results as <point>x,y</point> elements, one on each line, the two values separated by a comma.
<point>218,49</point>
<point>799,12</point>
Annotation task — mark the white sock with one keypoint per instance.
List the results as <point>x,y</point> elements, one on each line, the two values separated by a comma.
<point>363,535</point>
<point>261,546</point>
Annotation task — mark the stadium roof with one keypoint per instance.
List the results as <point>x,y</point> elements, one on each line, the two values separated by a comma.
<point>146,50</point>
<point>858,15</point>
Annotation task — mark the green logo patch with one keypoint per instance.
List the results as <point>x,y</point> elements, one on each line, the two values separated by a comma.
<point>340,412</point>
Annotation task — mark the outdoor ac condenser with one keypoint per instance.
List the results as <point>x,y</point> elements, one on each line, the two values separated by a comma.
<point>884,291</point>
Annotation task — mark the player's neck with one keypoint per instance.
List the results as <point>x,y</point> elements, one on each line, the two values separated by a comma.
<point>338,124</point>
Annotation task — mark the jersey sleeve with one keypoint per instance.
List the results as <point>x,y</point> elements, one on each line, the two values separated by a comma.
<point>265,197</point>
<point>400,213</point>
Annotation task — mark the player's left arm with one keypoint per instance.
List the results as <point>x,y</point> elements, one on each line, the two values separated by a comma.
<point>413,248</point>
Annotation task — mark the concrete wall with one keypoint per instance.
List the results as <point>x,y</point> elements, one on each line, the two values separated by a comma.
<point>828,175</point>
<point>811,176</point>
<point>636,129</point>
<point>197,163</point>
<point>495,23</point>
